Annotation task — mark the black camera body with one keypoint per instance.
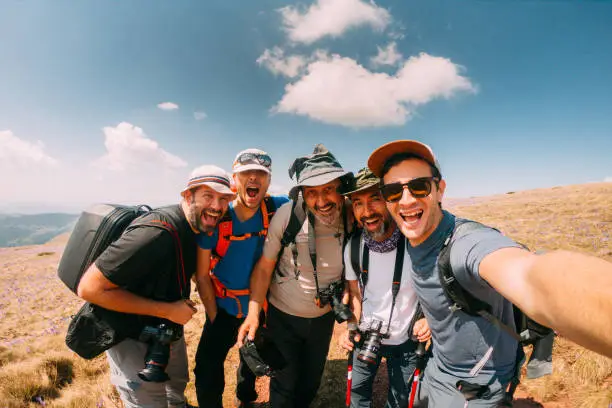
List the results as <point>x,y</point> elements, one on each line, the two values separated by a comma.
<point>370,342</point>
<point>158,339</point>
<point>333,295</point>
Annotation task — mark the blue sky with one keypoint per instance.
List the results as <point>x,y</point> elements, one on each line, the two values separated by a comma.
<point>118,101</point>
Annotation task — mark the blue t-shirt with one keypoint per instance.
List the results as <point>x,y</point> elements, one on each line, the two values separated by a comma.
<point>460,340</point>
<point>234,269</point>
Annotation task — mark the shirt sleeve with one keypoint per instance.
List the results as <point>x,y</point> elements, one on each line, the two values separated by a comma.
<point>278,224</point>
<point>127,261</point>
<point>468,251</point>
<point>206,241</point>
<point>349,273</point>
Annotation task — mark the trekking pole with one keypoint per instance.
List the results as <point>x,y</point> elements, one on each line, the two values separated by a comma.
<point>349,379</point>
<point>420,354</point>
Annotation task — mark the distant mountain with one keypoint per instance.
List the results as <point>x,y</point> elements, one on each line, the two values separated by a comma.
<point>34,229</point>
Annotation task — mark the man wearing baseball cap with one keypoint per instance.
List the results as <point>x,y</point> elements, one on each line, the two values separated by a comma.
<point>309,262</point>
<point>383,299</point>
<point>137,274</point>
<point>475,354</point>
<point>225,262</point>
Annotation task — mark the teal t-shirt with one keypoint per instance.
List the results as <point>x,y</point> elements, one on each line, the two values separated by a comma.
<point>234,269</point>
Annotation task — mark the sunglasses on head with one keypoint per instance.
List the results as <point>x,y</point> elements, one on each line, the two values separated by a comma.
<point>255,158</point>
<point>419,188</point>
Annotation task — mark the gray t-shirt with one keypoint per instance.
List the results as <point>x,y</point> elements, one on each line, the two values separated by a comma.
<point>460,340</point>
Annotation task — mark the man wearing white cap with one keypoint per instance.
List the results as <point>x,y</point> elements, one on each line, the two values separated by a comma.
<point>225,261</point>
<point>137,275</point>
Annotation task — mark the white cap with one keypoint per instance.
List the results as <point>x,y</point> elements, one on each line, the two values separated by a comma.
<point>252,159</point>
<point>211,176</point>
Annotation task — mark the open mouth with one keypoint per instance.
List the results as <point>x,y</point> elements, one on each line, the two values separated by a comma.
<point>210,217</point>
<point>252,192</point>
<point>326,209</point>
<point>371,222</point>
<point>411,217</point>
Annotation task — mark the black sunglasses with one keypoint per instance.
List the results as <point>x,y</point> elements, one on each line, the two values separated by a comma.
<point>418,188</point>
<point>255,158</point>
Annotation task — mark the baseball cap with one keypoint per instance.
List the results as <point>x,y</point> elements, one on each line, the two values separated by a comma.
<point>379,157</point>
<point>211,176</point>
<point>252,159</point>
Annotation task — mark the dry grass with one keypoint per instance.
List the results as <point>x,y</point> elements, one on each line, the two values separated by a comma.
<point>36,368</point>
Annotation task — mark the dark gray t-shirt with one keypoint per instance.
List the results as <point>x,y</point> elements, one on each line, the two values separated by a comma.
<point>462,341</point>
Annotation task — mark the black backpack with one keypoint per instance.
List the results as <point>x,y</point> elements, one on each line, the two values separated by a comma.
<point>527,332</point>
<point>95,329</point>
<point>96,228</point>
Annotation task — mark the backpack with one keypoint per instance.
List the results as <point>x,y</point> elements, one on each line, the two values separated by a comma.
<point>268,208</point>
<point>96,228</point>
<point>527,332</point>
<point>95,329</point>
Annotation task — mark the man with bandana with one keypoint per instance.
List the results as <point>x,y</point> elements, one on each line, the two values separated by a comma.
<point>375,302</point>
<point>137,275</point>
<point>300,326</point>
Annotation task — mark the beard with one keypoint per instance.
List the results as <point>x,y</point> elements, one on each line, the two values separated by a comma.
<point>328,219</point>
<point>196,213</point>
<point>381,231</point>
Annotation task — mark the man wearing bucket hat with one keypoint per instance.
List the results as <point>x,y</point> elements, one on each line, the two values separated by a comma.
<point>137,274</point>
<point>382,296</point>
<point>303,250</point>
<point>475,354</point>
<point>225,262</point>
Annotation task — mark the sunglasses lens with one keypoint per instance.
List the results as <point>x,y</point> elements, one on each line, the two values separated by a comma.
<point>392,192</point>
<point>420,187</point>
<point>248,158</point>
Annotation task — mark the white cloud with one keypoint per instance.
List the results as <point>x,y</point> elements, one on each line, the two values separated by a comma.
<point>387,56</point>
<point>338,90</point>
<point>199,115</point>
<point>275,61</point>
<point>128,146</point>
<point>16,152</point>
<point>332,18</point>
<point>168,106</point>
<point>608,180</point>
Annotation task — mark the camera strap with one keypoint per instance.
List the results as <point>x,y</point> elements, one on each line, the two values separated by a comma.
<point>397,272</point>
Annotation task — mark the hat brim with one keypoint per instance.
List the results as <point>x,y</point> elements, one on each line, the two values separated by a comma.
<point>379,157</point>
<point>252,166</point>
<point>319,180</point>
<point>219,188</point>
<point>362,188</point>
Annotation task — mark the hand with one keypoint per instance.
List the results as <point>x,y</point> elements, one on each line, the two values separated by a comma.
<point>248,329</point>
<point>421,330</point>
<point>181,311</point>
<point>348,339</point>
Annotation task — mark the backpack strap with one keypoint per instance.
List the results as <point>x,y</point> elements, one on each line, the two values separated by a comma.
<point>296,221</point>
<point>357,268</point>
<point>460,298</point>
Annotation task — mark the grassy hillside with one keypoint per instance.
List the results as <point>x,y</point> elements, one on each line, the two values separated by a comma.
<point>20,230</point>
<point>36,367</point>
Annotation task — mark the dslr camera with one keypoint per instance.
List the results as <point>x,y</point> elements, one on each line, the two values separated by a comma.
<point>370,342</point>
<point>333,295</point>
<point>158,339</point>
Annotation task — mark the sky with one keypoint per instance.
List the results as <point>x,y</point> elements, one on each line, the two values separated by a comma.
<point>119,101</point>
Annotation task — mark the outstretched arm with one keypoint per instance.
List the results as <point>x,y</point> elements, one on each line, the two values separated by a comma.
<point>567,291</point>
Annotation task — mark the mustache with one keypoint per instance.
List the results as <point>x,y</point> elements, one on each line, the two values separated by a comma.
<point>214,212</point>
